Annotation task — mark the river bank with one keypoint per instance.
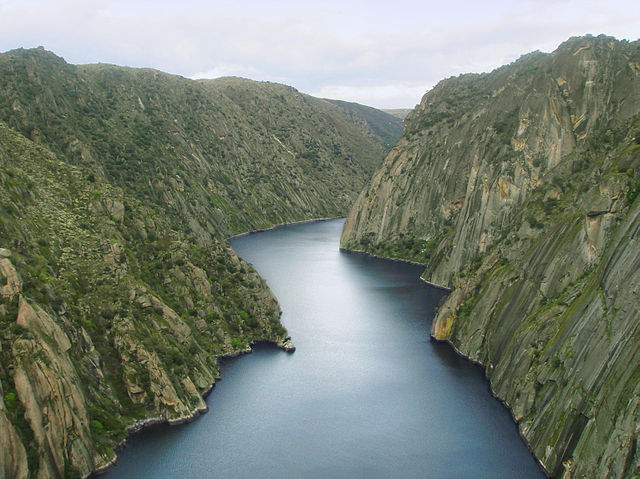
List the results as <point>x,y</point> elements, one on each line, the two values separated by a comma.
<point>365,375</point>
<point>285,345</point>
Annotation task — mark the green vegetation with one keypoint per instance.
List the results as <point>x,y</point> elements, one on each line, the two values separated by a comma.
<point>118,188</point>
<point>219,156</point>
<point>404,247</point>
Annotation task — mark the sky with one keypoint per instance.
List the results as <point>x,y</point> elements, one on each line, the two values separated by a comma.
<point>385,54</point>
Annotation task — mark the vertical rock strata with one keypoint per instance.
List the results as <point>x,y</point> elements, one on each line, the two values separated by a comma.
<point>518,190</point>
<point>48,386</point>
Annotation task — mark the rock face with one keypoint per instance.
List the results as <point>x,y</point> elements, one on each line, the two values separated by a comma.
<point>49,388</point>
<point>477,146</point>
<point>101,331</point>
<point>13,460</point>
<point>518,189</point>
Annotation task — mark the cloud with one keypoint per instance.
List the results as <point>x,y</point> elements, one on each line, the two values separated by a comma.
<point>383,96</point>
<point>375,52</point>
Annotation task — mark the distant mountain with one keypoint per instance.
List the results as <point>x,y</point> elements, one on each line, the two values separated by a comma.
<point>386,128</point>
<point>118,290</point>
<point>519,189</point>
<point>401,113</point>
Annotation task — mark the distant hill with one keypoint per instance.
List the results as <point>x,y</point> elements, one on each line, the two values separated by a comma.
<point>258,153</point>
<point>386,127</point>
<point>398,112</point>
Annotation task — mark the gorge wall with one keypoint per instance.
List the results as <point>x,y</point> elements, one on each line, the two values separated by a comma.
<point>118,290</point>
<point>518,190</point>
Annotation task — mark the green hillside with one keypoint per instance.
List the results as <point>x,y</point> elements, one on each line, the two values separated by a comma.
<point>118,290</point>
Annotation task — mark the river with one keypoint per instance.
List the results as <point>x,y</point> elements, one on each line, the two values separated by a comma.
<point>366,394</point>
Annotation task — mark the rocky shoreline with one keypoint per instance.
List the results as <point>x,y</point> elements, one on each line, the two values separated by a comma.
<point>371,255</point>
<point>502,401</point>
<point>285,345</point>
<point>457,351</point>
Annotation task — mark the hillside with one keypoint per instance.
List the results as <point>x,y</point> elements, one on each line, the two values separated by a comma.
<point>386,127</point>
<point>518,190</point>
<point>401,113</point>
<point>119,291</point>
<point>254,153</point>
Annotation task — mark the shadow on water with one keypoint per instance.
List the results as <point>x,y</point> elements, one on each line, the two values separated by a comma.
<point>451,360</point>
<point>261,348</point>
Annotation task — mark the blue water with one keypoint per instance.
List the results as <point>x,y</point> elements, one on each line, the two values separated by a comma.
<point>366,395</point>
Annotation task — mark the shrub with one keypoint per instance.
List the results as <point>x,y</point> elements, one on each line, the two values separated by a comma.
<point>533,222</point>
<point>97,426</point>
<point>10,400</point>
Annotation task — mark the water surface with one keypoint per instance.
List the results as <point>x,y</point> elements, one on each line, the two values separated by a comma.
<point>366,395</point>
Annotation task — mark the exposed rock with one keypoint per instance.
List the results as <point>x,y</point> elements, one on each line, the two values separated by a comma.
<point>13,461</point>
<point>287,345</point>
<point>519,189</point>
<point>115,208</point>
<point>48,385</point>
<point>484,142</point>
<point>36,320</point>
<point>13,284</point>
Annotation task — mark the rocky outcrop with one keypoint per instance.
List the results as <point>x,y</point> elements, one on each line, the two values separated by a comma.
<point>12,282</point>
<point>554,317</point>
<point>519,190</point>
<point>286,345</point>
<point>50,389</point>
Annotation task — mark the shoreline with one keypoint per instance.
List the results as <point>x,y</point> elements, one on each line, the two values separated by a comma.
<point>460,354</point>
<point>396,260</point>
<point>301,222</point>
<point>437,286</point>
<point>502,401</point>
<point>372,255</point>
<point>285,345</point>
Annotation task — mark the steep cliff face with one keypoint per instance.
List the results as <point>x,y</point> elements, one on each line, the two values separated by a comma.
<point>553,313</point>
<point>476,147</point>
<point>537,237</point>
<point>118,290</point>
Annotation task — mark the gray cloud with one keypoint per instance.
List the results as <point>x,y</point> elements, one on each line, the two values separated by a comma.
<point>379,53</point>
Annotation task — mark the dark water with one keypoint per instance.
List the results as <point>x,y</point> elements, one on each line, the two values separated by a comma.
<point>366,395</point>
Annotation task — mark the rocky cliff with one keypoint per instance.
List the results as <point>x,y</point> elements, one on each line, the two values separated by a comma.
<point>118,290</point>
<point>518,190</point>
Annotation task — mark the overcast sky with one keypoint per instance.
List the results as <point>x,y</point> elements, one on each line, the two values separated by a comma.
<point>381,53</point>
